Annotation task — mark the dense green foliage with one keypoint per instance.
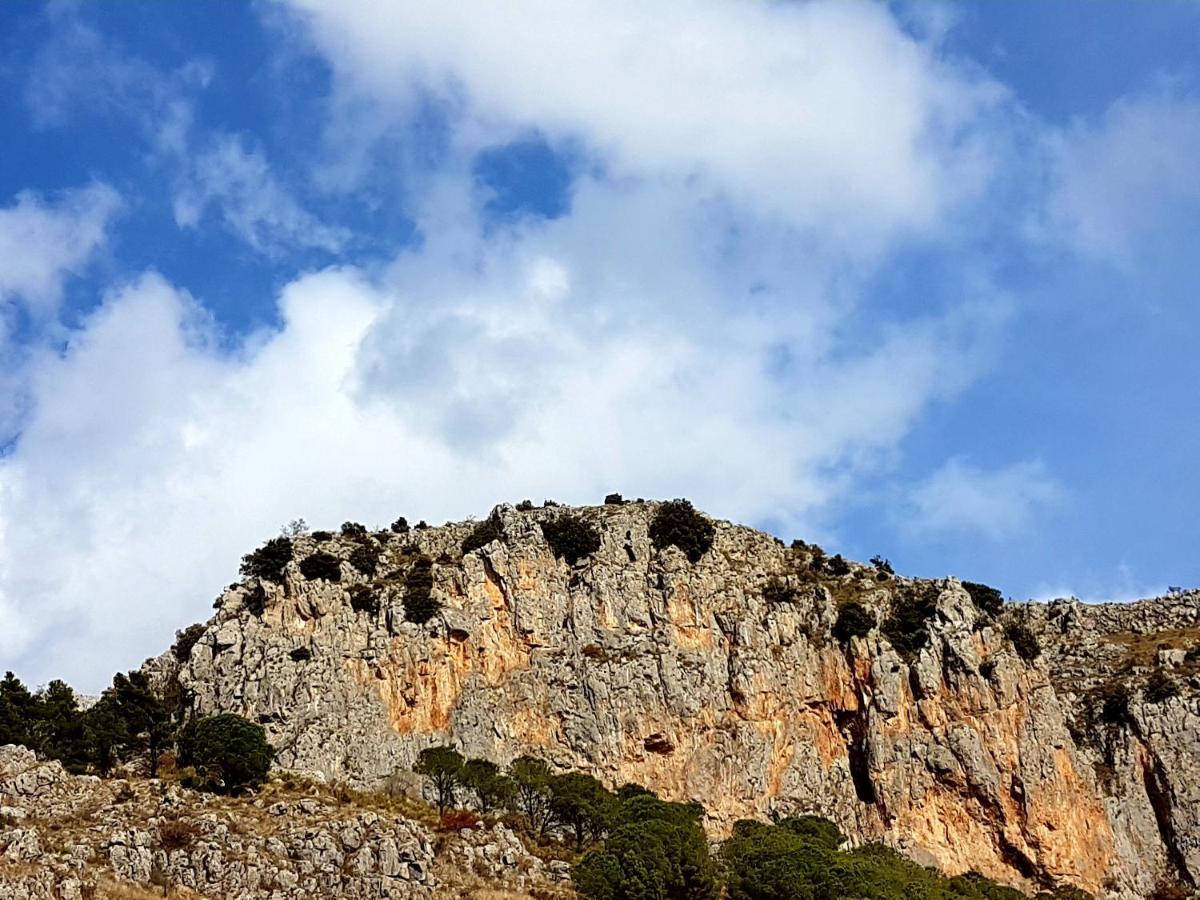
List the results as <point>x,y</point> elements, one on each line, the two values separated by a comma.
<point>853,620</point>
<point>185,640</point>
<point>798,858</point>
<point>986,598</point>
<point>228,752</point>
<point>491,787</point>
<point>321,565</point>
<point>443,769</point>
<point>400,526</point>
<point>354,530</point>
<point>365,557</point>
<point>653,849</point>
<point>128,721</point>
<point>483,534</point>
<point>364,599</point>
<point>419,603</point>
<point>906,625</point>
<point>677,524</point>
<point>571,538</point>
<point>269,560</point>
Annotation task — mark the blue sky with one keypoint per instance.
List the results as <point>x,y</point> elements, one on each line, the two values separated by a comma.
<point>907,279</point>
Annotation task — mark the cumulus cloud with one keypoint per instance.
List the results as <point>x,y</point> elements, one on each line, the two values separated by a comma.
<point>251,201</point>
<point>996,503</point>
<point>45,239</point>
<point>1129,178</point>
<point>689,327</point>
<point>827,114</point>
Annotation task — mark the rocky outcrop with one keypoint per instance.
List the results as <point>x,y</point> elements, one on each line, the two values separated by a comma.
<point>721,681</point>
<point>64,835</point>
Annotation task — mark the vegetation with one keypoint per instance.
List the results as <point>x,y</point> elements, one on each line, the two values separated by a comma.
<point>653,849</point>
<point>571,538</point>
<point>614,500</point>
<point>1024,641</point>
<point>777,591</point>
<point>635,845</point>
<point>269,560</point>
<point>354,530</point>
<point>321,565</point>
<point>364,599</point>
<point>853,620</point>
<point>442,768</point>
<point>229,753</point>
<point>483,534</point>
<point>988,599</point>
<point>883,568</point>
<point>400,526</point>
<point>677,524</point>
<point>836,566</point>
<point>1160,687</point>
<point>906,625</point>
<point>419,603</point>
<point>185,640</point>
<point>365,557</point>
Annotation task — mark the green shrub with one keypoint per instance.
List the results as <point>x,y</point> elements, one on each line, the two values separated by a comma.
<point>985,598</point>
<point>677,524</point>
<point>882,566</point>
<point>525,506</point>
<point>614,500</point>
<point>419,603</point>
<point>483,534</point>
<point>778,591</point>
<point>229,753</point>
<point>853,620</point>
<point>400,526</point>
<point>571,538</point>
<point>836,566</point>
<point>300,654</point>
<point>1024,641</point>
<point>185,640</point>
<point>354,531</point>
<point>365,557</point>
<point>906,624</point>
<point>321,536</point>
<point>1160,686</point>
<point>582,805</point>
<point>364,599</point>
<point>321,565</point>
<point>269,560</point>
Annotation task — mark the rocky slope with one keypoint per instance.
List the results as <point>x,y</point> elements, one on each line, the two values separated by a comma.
<point>73,837</point>
<point>721,681</point>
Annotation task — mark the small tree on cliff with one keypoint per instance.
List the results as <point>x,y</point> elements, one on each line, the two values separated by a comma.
<point>230,753</point>
<point>531,778</point>
<point>442,767</point>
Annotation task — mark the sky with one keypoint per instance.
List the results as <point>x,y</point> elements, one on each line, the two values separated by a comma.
<point>908,279</point>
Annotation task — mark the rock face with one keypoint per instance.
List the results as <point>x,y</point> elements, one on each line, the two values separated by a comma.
<point>721,681</point>
<point>65,834</point>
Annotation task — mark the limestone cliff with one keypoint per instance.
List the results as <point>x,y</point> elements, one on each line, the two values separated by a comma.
<point>721,681</point>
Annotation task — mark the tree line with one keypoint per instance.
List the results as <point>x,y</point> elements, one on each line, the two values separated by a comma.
<point>632,845</point>
<point>131,722</point>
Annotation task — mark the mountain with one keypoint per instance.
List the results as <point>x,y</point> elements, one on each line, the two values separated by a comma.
<point>1035,743</point>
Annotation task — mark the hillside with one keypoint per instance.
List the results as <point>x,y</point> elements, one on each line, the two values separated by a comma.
<point>1037,744</point>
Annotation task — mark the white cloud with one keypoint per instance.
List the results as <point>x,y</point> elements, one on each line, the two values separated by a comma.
<point>827,115</point>
<point>1129,178</point>
<point>251,201</point>
<point>998,504</point>
<point>44,240</point>
<point>688,329</point>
